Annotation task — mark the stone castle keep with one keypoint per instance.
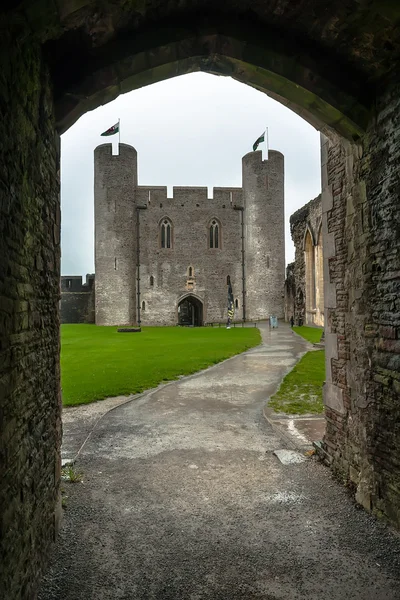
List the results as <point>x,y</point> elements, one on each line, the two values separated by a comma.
<point>164,261</point>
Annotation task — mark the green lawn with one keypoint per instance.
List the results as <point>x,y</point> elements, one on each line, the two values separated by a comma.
<point>98,362</point>
<point>301,390</point>
<point>312,334</point>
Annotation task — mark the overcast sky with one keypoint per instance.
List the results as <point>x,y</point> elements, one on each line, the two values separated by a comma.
<point>190,130</point>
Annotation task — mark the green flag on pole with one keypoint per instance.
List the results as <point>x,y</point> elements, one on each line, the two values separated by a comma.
<point>112,130</point>
<point>258,141</point>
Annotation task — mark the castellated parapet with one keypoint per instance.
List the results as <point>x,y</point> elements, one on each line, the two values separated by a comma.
<point>163,261</point>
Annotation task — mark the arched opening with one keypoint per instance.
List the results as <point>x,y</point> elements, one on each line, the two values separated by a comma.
<point>309,277</point>
<point>319,281</point>
<point>143,305</point>
<point>343,68</point>
<point>190,312</point>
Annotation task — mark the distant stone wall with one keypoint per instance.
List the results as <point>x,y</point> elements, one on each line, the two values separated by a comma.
<point>307,284</point>
<point>164,272</point>
<point>77,299</point>
<point>128,228</point>
<point>290,292</point>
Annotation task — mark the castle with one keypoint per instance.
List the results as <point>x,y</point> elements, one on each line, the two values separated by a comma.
<point>167,261</point>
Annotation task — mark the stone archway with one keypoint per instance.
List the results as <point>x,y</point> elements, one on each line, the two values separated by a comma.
<point>61,59</point>
<point>190,311</point>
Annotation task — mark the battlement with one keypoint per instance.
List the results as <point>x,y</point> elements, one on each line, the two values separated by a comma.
<point>74,283</point>
<point>183,195</point>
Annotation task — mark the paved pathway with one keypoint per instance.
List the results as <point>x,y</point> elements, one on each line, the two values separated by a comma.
<point>183,499</point>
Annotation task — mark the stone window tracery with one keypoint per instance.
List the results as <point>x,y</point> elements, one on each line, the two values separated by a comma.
<point>214,240</point>
<point>166,234</point>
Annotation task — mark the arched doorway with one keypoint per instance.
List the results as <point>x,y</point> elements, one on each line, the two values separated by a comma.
<point>190,312</point>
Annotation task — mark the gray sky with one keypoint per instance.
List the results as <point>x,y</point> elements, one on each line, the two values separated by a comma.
<point>190,130</point>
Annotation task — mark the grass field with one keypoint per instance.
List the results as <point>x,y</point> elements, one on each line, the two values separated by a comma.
<point>312,334</point>
<point>301,390</point>
<point>98,362</point>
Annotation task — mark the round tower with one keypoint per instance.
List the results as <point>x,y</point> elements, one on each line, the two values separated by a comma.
<point>264,219</point>
<point>115,180</point>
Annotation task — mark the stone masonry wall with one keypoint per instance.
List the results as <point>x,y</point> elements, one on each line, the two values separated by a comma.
<point>361,187</point>
<point>290,292</point>
<point>164,272</point>
<point>30,410</point>
<point>263,194</point>
<point>77,300</point>
<point>115,180</point>
<point>190,212</point>
<point>307,218</point>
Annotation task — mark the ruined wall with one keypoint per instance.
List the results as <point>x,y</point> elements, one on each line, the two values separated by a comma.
<point>290,292</point>
<point>306,223</point>
<point>115,178</point>
<point>190,212</point>
<point>77,299</point>
<point>30,426</point>
<point>263,194</point>
<point>361,187</point>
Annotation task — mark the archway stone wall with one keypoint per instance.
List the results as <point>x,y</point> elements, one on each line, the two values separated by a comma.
<point>30,398</point>
<point>361,289</point>
<point>58,56</point>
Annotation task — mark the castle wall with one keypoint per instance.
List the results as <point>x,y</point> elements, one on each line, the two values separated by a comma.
<point>115,179</point>
<point>190,212</point>
<point>77,300</point>
<point>305,228</point>
<point>263,193</point>
<point>290,292</point>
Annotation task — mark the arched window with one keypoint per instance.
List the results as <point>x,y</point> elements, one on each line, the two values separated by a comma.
<point>143,305</point>
<point>310,273</point>
<point>190,271</point>
<point>319,278</point>
<point>166,234</point>
<point>214,234</point>
<point>151,280</point>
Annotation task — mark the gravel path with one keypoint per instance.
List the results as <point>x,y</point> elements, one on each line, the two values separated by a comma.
<point>183,498</point>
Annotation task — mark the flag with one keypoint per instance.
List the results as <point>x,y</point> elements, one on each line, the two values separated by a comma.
<point>231,303</point>
<point>258,141</point>
<point>112,130</point>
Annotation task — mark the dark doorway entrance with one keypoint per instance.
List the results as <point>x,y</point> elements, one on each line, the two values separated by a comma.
<point>190,312</point>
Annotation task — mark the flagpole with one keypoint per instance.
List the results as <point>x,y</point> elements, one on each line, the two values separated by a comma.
<point>119,132</point>
<point>267,143</point>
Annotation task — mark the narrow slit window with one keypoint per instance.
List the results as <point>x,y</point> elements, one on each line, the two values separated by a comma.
<point>143,305</point>
<point>190,272</point>
<point>151,280</point>
<point>236,303</point>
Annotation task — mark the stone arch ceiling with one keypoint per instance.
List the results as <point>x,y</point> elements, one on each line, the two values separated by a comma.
<point>325,60</point>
